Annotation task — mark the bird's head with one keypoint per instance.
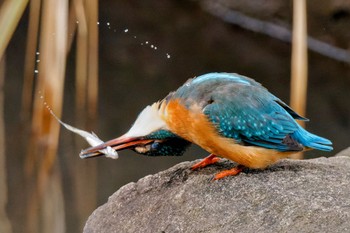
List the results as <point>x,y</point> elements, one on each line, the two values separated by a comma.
<point>149,135</point>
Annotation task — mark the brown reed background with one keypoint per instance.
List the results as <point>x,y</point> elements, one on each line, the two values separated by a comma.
<point>52,25</point>
<point>54,28</point>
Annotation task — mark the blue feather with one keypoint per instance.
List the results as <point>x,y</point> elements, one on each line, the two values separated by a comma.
<point>242,109</point>
<point>215,76</point>
<point>311,140</point>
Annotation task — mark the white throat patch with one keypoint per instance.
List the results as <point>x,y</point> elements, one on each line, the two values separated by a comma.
<point>148,121</point>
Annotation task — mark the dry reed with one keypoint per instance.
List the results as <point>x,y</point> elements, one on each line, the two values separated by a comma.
<point>30,61</point>
<point>5,225</point>
<point>58,25</point>
<point>44,128</point>
<point>10,14</point>
<point>299,64</point>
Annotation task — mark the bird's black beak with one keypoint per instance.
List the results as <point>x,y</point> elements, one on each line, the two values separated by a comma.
<point>117,144</point>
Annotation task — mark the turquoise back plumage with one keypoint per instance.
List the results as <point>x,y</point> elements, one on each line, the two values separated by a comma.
<point>242,109</point>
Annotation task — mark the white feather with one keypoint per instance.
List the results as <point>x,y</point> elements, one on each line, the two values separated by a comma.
<point>148,121</point>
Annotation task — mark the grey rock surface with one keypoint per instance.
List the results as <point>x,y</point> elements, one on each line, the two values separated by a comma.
<point>290,196</point>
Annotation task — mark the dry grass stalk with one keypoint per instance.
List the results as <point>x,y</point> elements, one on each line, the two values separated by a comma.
<point>72,25</point>
<point>45,129</point>
<point>55,41</point>
<point>92,11</point>
<point>29,65</point>
<point>81,62</point>
<point>87,61</point>
<point>86,101</point>
<point>299,69</point>
<point>5,225</point>
<point>10,14</point>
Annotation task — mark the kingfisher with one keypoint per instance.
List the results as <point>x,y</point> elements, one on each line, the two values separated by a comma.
<point>229,115</point>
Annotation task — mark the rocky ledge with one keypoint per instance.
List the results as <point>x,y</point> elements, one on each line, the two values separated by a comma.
<point>290,196</point>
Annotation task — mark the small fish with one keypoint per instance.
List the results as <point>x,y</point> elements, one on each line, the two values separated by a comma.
<point>91,138</point>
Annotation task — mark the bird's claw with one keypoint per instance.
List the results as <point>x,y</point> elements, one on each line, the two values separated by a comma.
<point>231,172</point>
<point>211,159</point>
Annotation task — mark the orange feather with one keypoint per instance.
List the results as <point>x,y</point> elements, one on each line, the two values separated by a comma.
<point>192,125</point>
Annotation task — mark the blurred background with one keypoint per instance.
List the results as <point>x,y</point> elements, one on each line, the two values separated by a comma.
<point>99,63</point>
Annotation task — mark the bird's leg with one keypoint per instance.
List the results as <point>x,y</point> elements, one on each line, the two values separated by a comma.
<point>205,162</point>
<point>231,172</point>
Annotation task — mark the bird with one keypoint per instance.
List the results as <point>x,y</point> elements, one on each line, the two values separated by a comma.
<point>229,115</point>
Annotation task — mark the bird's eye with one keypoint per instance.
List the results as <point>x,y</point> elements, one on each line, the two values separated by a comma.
<point>155,145</point>
<point>210,101</point>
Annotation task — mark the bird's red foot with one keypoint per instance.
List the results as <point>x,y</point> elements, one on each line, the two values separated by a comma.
<point>231,172</point>
<point>211,159</point>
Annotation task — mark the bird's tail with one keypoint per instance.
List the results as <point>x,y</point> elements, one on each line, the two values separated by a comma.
<point>312,141</point>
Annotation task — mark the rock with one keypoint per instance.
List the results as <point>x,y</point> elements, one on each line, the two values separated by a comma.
<point>290,196</point>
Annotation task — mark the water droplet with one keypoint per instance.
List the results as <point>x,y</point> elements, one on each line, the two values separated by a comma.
<point>126,30</point>
<point>146,42</point>
<point>98,23</point>
<point>36,71</point>
<point>37,53</point>
<point>108,24</point>
<point>168,55</point>
<point>38,60</point>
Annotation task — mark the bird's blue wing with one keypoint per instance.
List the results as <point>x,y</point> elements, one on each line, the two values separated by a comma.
<point>242,109</point>
<point>253,116</point>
